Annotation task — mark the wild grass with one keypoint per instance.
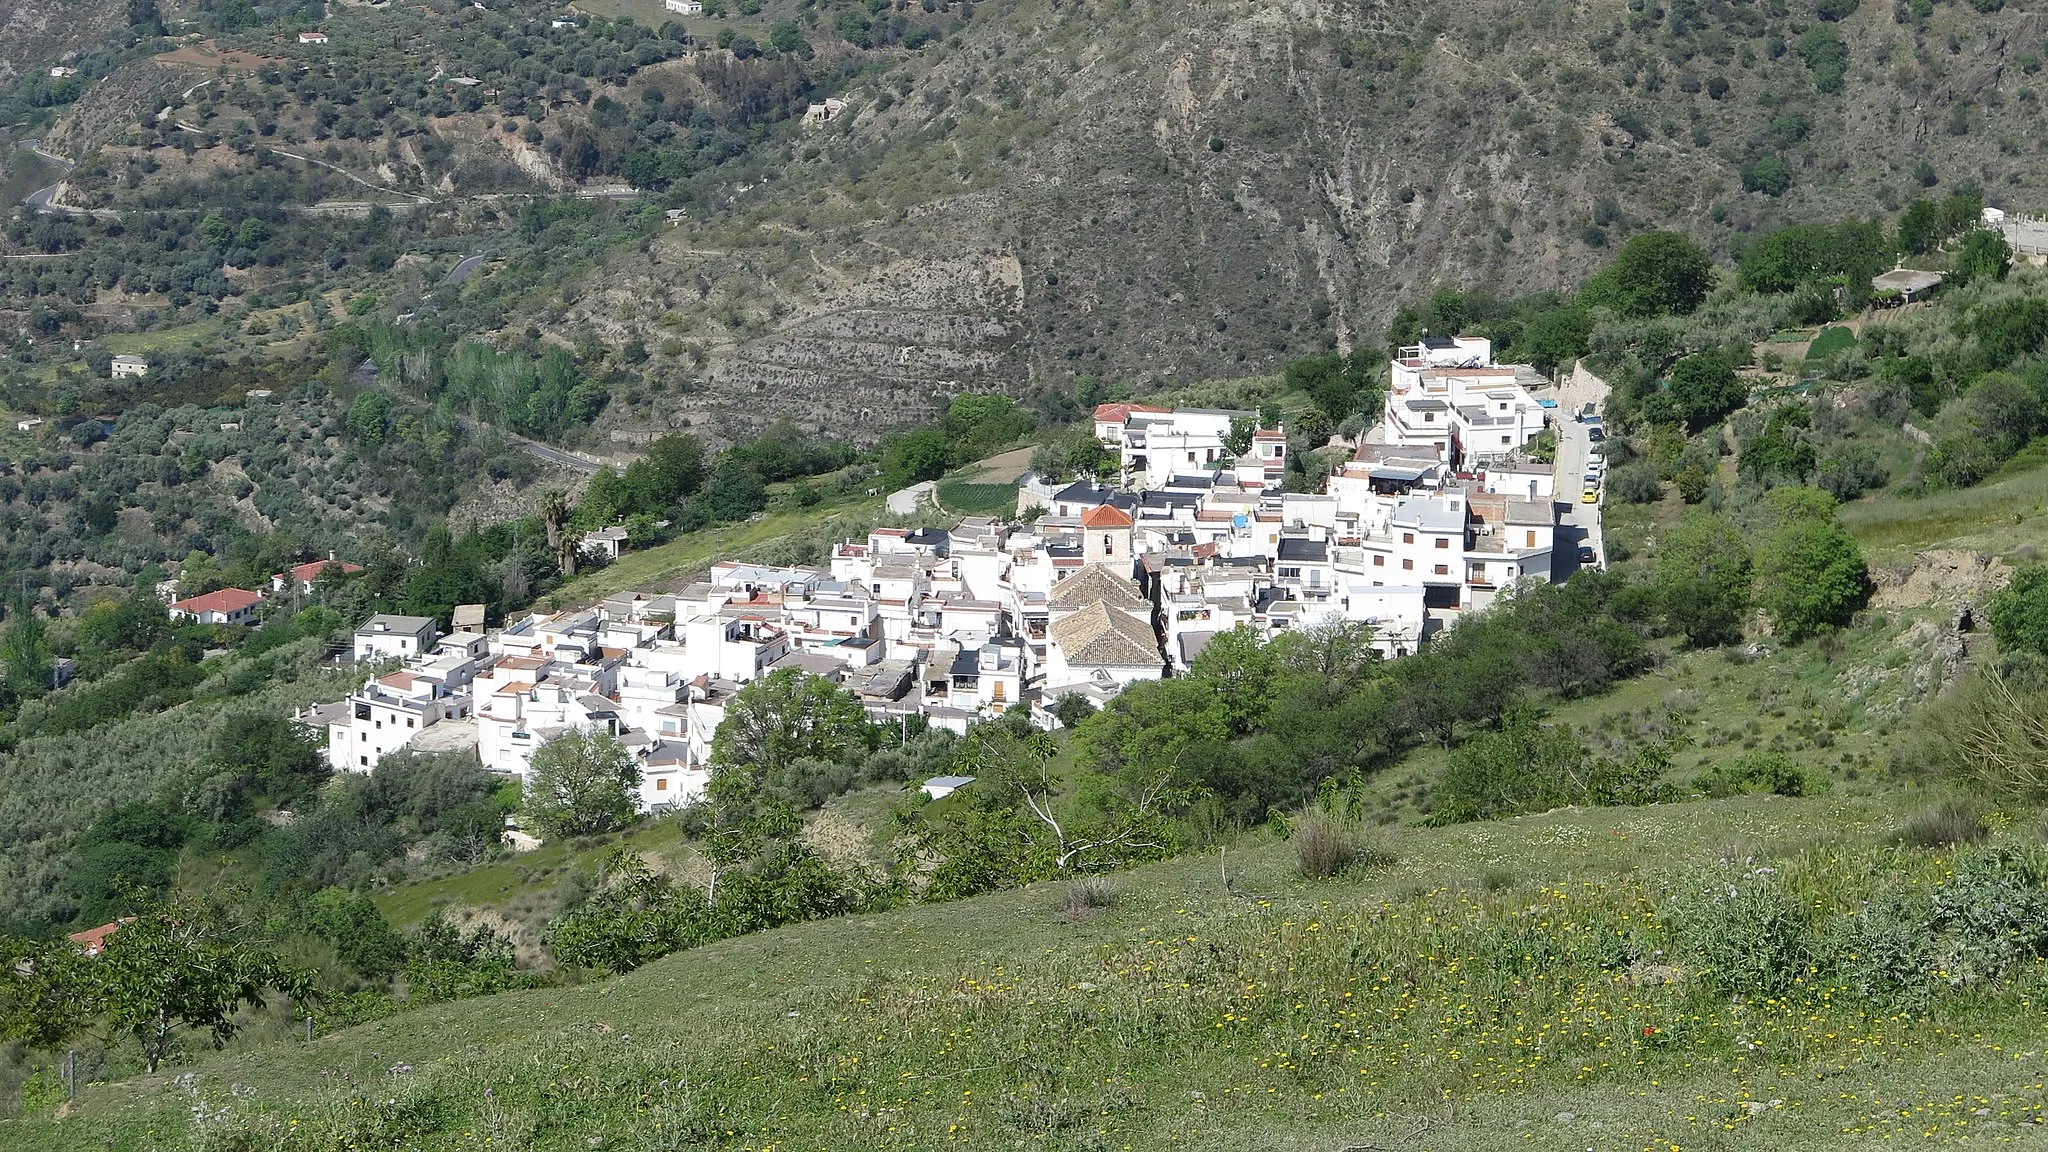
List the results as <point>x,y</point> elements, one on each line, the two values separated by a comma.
<point>681,558</point>
<point>2007,512</point>
<point>1087,895</point>
<point>1393,1006</point>
<point>1946,825</point>
<point>1326,845</point>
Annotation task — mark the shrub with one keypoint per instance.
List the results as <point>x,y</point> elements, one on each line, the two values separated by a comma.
<point>1747,933</point>
<point>1528,766</point>
<point>2018,613</point>
<point>1992,915</point>
<point>1810,574</point>
<point>1771,772</point>
<point>1945,825</point>
<point>1831,341</point>
<point>1088,894</point>
<point>1324,846</point>
<point>1635,484</point>
<point>1994,733</point>
<point>1882,949</point>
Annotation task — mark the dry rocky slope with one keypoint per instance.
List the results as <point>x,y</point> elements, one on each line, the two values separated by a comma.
<point>1172,191</point>
<point>37,33</point>
<point>1168,190</point>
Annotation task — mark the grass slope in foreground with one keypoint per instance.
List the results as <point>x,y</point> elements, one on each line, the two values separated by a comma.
<point>1499,987</point>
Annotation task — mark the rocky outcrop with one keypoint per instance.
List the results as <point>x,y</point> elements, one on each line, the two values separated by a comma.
<point>1947,577</point>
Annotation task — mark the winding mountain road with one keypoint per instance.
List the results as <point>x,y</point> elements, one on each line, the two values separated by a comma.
<point>43,201</point>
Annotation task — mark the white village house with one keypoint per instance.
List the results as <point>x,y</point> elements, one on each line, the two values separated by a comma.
<point>383,636</point>
<point>226,606</point>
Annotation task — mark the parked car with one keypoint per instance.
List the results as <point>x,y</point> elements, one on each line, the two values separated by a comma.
<point>1586,556</point>
<point>1596,434</point>
<point>1591,495</point>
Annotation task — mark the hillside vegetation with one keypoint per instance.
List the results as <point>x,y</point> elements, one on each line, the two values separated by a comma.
<point>1706,977</point>
<point>1022,193</point>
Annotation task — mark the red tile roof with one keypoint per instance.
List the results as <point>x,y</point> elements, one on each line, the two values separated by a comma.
<point>311,570</point>
<point>1118,413</point>
<point>226,600</point>
<point>93,941</point>
<point>1105,516</point>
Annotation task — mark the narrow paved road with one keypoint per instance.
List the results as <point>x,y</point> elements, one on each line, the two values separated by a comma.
<point>461,271</point>
<point>554,455</point>
<point>38,201</point>
<point>1581,522</point>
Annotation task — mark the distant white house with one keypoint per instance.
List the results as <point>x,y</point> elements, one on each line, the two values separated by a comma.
<point>60,72</point>
<point>312,37</point>
<point>227,606</point>
<point>128,366</point>
<point>940,787</point>
<point>28,423</point>
<point>823,113</point>
<point>383,636</point>
<point>684,7</point>
<point>606,542</point>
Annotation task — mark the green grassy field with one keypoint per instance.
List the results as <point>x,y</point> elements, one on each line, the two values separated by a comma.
<point>964,499</point>
<point>1457,999</point>
<point>1829,342</point>
<point>183,338</point>
<point>510,879</point>
<point>679,559</point>
<point>2001,515</point>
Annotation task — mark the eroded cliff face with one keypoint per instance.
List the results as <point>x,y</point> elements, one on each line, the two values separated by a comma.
<point>1176,191</point>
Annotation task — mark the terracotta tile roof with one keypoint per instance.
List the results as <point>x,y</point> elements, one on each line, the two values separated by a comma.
<point>1096,584</point>
<point>1118,413</point>
<point>1105,516</point>
<point>225,600</point>
<point>311,570</point>
<point>93,941</point>
<point>1097,636</point>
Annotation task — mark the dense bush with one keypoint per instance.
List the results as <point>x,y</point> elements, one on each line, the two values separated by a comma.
<point>1635,483</point>
<point>1749,932</point>
<point>1771,772</point>
<point>1810,572</point>
<point>1528,766</point>
<point>2018,613</point>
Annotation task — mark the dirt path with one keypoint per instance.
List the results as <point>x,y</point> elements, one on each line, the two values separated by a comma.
<point>1005,468</point>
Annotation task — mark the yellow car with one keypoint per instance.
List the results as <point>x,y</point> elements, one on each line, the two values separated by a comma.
<point>1591,496</point>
